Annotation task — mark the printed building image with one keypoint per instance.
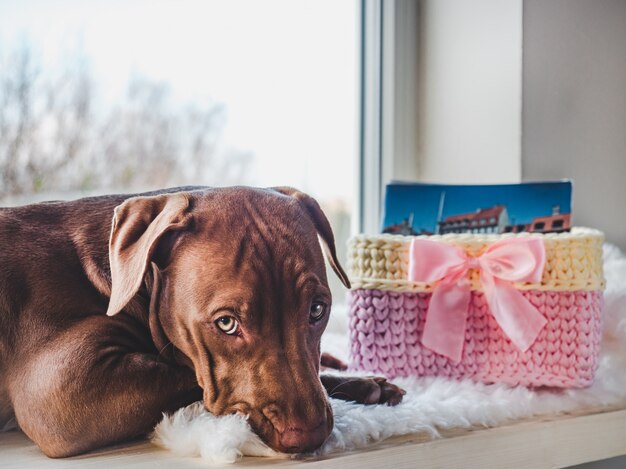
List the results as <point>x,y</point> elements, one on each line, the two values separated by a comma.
<point>405,228</point>
<point>484,220</point>
<point>494,219</point>
<point>553,223</point>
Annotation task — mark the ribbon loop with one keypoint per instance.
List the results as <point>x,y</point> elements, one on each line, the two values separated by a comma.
<point>507,261</point>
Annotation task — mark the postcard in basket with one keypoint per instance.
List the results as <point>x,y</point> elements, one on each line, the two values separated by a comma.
<point>419,208</point>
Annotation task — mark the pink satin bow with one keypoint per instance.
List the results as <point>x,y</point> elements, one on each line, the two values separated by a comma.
<point>509,260</point>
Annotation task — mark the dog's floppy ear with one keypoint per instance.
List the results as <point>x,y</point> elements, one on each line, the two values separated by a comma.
<point>321,225</point>
<point>138,224</point>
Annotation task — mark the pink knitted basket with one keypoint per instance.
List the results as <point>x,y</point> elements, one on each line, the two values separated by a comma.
<point>385,330</point>
<point>388,312</point>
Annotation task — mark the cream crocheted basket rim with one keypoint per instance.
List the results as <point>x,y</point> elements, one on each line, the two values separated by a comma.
<point>573,260</point>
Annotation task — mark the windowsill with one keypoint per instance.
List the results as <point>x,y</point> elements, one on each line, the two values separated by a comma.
<point>542,442</point>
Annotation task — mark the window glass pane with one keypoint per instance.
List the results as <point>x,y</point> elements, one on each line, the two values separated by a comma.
<point>133,95</point>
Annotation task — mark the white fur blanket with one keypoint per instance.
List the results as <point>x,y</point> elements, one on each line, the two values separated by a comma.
<point>430,403</point>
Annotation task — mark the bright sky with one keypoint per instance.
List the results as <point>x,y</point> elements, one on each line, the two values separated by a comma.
<point>286,70</point>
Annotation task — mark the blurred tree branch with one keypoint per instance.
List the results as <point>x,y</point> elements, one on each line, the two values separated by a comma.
<point>53,137</point>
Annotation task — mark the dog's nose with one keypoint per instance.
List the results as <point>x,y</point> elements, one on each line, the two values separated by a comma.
<point>294,435</point>
<point>302,440</point>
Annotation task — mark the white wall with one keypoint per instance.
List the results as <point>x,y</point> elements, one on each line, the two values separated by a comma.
<point>574,122</point>
<point>470,84</point>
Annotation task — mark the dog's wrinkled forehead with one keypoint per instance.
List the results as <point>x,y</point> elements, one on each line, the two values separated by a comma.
<point>261,228</point>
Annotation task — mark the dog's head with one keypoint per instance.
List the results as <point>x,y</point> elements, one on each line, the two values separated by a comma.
<point>237,284</point>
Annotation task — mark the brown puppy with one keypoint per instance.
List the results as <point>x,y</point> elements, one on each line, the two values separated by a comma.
<point>218,294</point>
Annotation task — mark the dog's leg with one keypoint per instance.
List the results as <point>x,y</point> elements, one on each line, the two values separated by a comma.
<point>90,387</point>
<point>370,390</point>
<point>330,362</point>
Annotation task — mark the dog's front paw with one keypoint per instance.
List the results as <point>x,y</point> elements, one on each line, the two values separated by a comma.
<point>371,390</point>
<point>390,394</point>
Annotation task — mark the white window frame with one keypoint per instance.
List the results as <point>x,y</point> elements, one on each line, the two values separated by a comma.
<point>408,57</point>
<point>388,102</point>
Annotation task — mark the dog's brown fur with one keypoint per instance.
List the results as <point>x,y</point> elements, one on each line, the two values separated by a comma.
<point>173,262</point>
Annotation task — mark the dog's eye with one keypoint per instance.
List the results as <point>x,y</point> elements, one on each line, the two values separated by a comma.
<point>317,311</point>
<point>227,324</point>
